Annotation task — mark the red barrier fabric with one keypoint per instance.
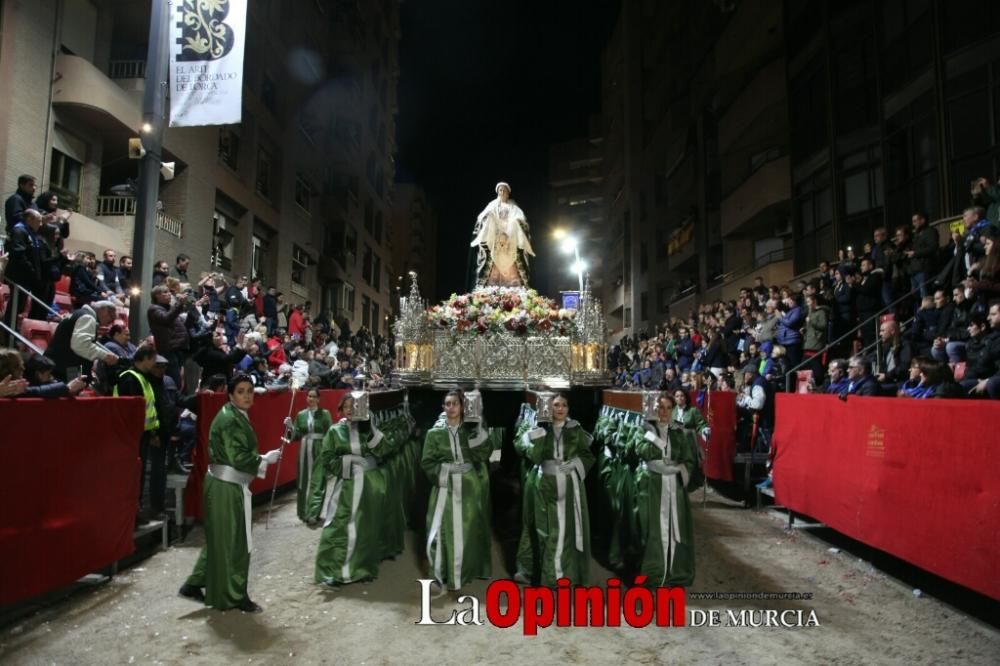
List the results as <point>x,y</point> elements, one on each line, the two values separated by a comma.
<point>70,490</point>
<point>267,416</point>
<point>720,411</point>
<point>914,478</point>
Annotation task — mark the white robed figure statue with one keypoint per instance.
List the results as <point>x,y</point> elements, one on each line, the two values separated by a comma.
<point>501,233</point>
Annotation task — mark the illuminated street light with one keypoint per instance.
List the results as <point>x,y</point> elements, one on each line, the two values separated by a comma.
<point>570,245</point>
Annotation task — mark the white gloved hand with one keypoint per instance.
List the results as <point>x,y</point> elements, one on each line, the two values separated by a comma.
<point>650,437</point>
<point>288,421</point>
<point>536,433</point>
<point>272,456</point>
<point>567,467</point>
<point>706,433</point>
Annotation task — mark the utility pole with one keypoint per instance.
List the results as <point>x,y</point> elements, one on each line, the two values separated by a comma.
<point>154,104</point>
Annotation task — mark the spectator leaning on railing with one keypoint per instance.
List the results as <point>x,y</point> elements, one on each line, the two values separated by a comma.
<point>74,344</point>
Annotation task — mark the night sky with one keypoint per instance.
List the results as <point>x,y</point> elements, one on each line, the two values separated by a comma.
<point>484,88</point>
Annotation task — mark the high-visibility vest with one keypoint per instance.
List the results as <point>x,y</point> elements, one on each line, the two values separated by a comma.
<point>152,421</point>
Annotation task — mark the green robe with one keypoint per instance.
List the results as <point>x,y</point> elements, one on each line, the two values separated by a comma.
<point>223,565</point>
<point>395,470</point>
<point>458,513</point>
<point>620,483</point>
<point>350,546</point>
<point>555,532</point>
<point>311,479</point>
<point>693,424</point>
<point>666,531</point>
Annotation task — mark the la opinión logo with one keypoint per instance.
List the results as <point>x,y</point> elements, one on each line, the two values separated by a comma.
<point>566,606</point>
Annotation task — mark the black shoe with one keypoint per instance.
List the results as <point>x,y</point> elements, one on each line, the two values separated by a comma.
<point>248,606</point>
<point>191,592</point>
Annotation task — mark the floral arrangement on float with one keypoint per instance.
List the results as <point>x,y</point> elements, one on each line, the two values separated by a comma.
<point>493,310</point>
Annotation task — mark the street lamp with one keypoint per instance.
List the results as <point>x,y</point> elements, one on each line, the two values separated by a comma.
<point>571,246</point>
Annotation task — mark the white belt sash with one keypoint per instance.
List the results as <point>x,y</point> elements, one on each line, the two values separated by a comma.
<point>560,471</point>
<point>670,534</point>
<point>352,468</point>
<point>233,475</point>
<point>449,485</point>
<point>307,452</point>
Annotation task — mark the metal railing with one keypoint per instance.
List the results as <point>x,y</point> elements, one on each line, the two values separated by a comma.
<point>871,321</point>
<point>17,287</point>
<point>169,224</point>
<point>125,207</point>
<point>127,69</point>
<point>118,206</point>
<point>14,335</point>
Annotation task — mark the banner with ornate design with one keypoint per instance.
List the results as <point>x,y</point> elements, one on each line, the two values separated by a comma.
<point>207,40</point>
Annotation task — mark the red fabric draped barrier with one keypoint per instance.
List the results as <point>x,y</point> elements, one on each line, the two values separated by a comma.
<point>70,490</point>
<point>267,417</point>
<point>915,478</point>
<point>720,412</point>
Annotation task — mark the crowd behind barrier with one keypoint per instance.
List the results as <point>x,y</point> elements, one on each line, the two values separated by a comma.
<point>913,317</point>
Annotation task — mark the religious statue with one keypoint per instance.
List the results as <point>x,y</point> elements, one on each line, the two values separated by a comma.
<point>501,233</point>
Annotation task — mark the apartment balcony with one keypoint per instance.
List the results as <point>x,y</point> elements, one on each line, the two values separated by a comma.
<point>90,235</point>
<point>119,213</point>
<point>336,266</point>
<point>83,89</point>
<point>761,201</point>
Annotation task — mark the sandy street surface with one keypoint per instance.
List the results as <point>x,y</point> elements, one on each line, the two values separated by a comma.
<point>866,618</point>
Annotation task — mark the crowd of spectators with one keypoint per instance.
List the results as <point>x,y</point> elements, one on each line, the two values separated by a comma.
<point>201,332</point>
<point>906,316</point>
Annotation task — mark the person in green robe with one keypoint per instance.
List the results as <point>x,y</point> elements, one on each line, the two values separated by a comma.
<point>666,531</point>
<point>351,547</point>
<point>690,419</point>
<point>556,498</point>
<point>221,573</point>
<point>458,513</point>
<point>309,427</point>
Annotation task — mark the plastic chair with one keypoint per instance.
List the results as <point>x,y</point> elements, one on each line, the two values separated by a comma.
<point>63,302</point>
<point>122,314</point>
<point>38,332</point>
<point>802,380</point>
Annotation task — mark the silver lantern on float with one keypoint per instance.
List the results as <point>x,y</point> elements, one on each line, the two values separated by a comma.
<point>543,406</point>
<point>361,411</point>
<point>473,406</point>
<point>650,405</point>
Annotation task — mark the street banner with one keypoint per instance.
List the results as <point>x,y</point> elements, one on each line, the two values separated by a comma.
<point>207,39</point>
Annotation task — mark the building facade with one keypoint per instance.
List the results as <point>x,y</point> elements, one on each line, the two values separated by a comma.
<point>576,200</point>
<point>413,225</point>
<point>295,195</point>
<point>745,137</point>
